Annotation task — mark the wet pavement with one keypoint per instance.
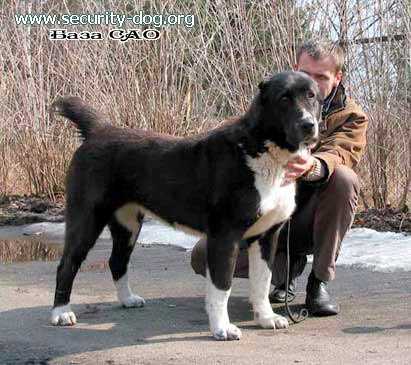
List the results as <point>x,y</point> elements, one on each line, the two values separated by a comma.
<point>373,327</point>
<point>24,250</point>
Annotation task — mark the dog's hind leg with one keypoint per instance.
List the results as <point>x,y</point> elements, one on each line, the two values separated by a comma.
<point>82,230</point>
<point>221,257</point>
<point>125,228</point>
<point>261,255</point>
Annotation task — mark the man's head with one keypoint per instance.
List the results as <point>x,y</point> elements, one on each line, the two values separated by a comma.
<point>323,61</point>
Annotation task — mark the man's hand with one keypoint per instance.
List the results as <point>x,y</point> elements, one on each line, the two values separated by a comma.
<point>297,167</point>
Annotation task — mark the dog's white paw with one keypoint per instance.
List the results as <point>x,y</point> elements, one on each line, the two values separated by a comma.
<point>231,332</point>
<point>63,316</point>
<point>273,321</point>
<point>133,301</point>
<point>125,295</point>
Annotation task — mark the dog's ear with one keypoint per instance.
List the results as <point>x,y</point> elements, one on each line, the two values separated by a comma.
<point>263,90</point>
<point>262,85</point>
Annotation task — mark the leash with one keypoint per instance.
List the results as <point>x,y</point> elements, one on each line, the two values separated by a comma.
<point>303,312</point>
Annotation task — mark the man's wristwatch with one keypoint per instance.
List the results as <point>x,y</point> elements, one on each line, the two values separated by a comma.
<point>315,172</point>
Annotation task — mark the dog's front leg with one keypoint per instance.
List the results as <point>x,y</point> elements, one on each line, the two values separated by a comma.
<point>221,258</point>
<point>260,256</point>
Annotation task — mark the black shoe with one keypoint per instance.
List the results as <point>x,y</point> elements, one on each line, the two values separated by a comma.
<point>278,294</point>
<point>318,300</point>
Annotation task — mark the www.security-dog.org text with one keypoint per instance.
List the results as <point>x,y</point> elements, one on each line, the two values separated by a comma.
<point>150,24</point>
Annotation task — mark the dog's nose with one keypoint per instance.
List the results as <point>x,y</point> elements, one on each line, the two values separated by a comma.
<point>307,126</point>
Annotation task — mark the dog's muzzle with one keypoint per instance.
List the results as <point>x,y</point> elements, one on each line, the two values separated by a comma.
<point>309,130</point>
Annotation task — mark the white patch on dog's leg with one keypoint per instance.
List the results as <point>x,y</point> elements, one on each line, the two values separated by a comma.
<point>127,217</point>
<point>260,279</point>
<point>216,307</point>
<point>63,316</point>
<point>125,295</point>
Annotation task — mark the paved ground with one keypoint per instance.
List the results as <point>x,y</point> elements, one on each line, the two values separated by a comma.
<point>374,326</point>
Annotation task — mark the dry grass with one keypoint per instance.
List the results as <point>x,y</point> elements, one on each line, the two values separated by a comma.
<point>180,84</point>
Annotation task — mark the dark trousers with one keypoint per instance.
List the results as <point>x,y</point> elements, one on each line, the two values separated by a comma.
<point>322,217</point>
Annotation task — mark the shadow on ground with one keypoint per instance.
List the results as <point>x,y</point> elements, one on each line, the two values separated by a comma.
<point>375,329</point>
<point>107,325</point>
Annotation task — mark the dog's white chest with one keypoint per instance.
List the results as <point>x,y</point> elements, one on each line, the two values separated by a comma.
<point>276,202</point>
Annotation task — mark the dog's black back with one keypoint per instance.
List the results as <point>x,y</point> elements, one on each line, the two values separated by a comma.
<point>205,174</point>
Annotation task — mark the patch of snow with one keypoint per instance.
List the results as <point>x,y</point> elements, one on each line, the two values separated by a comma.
<point>376,251</point>
<point>362,247</point>
<point>366,248</point>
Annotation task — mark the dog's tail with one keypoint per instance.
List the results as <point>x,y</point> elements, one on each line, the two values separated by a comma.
<point>86,119</point>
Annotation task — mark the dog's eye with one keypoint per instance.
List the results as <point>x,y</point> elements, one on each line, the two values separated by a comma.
<point>284,99</point>
<point>310,94</point>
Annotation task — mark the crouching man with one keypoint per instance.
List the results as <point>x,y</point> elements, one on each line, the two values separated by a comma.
<point>327,190</point>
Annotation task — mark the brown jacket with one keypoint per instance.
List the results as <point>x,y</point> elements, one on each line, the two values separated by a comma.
<point>342,133</point>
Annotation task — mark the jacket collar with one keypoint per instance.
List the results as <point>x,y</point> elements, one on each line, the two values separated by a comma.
<point>336,101</point>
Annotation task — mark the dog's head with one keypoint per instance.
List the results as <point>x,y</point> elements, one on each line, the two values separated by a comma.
<point>289,106</point>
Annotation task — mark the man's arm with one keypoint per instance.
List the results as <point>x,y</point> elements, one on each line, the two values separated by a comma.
<point>343,146</point>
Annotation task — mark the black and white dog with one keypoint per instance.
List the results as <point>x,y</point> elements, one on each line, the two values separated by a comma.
<point>225,184</point>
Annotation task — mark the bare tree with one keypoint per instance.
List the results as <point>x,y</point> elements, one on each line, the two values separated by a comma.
<point>192,78</point>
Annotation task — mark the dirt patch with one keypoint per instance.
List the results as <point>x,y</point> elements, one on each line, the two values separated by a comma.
<point>18,210</point>
<point>382,220</point>
<point>95,266</point>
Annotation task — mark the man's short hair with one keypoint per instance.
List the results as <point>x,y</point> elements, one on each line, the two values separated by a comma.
<point>321,49</point>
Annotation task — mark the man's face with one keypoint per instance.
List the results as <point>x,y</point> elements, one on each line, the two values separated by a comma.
<point>323,71</point>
